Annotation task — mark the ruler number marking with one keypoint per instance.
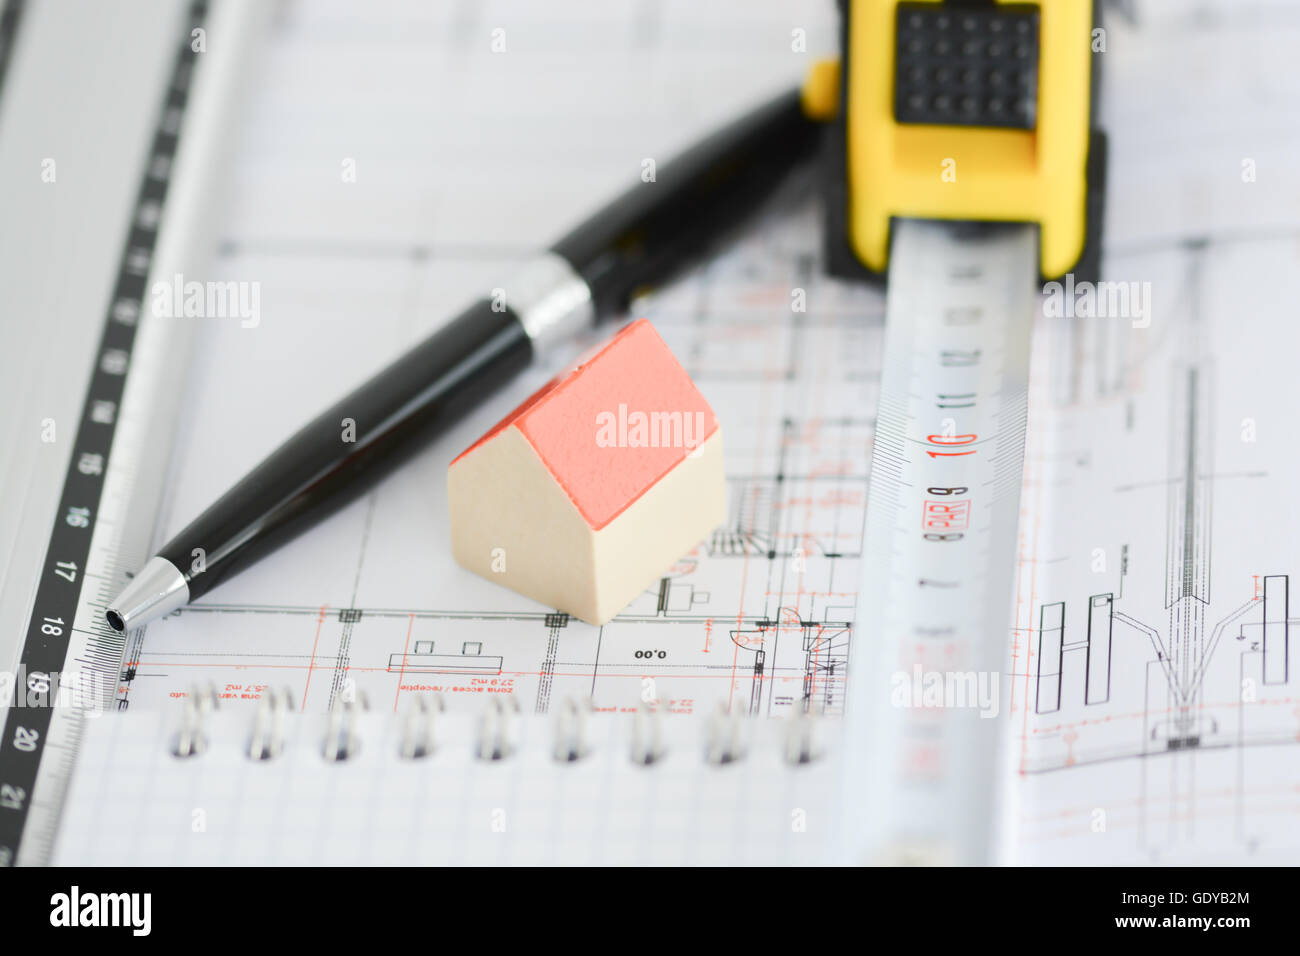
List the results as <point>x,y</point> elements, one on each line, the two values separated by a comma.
<point>12,797</point>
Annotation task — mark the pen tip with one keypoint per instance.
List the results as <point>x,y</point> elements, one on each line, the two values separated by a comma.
<point>156,591</point>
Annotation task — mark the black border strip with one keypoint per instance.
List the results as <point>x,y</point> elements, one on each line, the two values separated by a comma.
<point>58,593</point>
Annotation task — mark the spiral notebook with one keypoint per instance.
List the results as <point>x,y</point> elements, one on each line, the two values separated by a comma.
<point>195,786</point>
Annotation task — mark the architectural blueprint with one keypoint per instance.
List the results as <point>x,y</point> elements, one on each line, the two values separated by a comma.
<point>1152,714</point>
<point>759,616</point>
<point>1158,557</point>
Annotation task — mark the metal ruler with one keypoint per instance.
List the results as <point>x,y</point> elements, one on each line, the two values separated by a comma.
<point>70,661</point>
<point>928,687</point>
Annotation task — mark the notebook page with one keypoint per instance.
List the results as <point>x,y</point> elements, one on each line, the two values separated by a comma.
<point>134,803</point>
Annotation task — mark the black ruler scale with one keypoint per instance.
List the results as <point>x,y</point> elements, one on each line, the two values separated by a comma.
<point>44,688</point>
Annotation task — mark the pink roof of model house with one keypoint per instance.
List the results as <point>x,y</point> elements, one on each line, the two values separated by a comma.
<point>563,419</point>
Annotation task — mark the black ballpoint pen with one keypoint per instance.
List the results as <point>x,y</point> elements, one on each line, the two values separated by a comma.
<point>636,241</point>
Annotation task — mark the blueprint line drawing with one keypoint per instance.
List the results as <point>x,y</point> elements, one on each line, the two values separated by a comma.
<point>1163,675</point>
<point>757,617</point>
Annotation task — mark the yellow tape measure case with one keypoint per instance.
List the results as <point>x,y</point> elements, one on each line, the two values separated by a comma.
<point>974,111</point>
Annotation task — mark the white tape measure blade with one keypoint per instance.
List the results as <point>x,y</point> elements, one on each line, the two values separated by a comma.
<point>928,674</point>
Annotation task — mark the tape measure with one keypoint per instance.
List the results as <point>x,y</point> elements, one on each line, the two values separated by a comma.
<point>963,163</point>
<point>925,710</point>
